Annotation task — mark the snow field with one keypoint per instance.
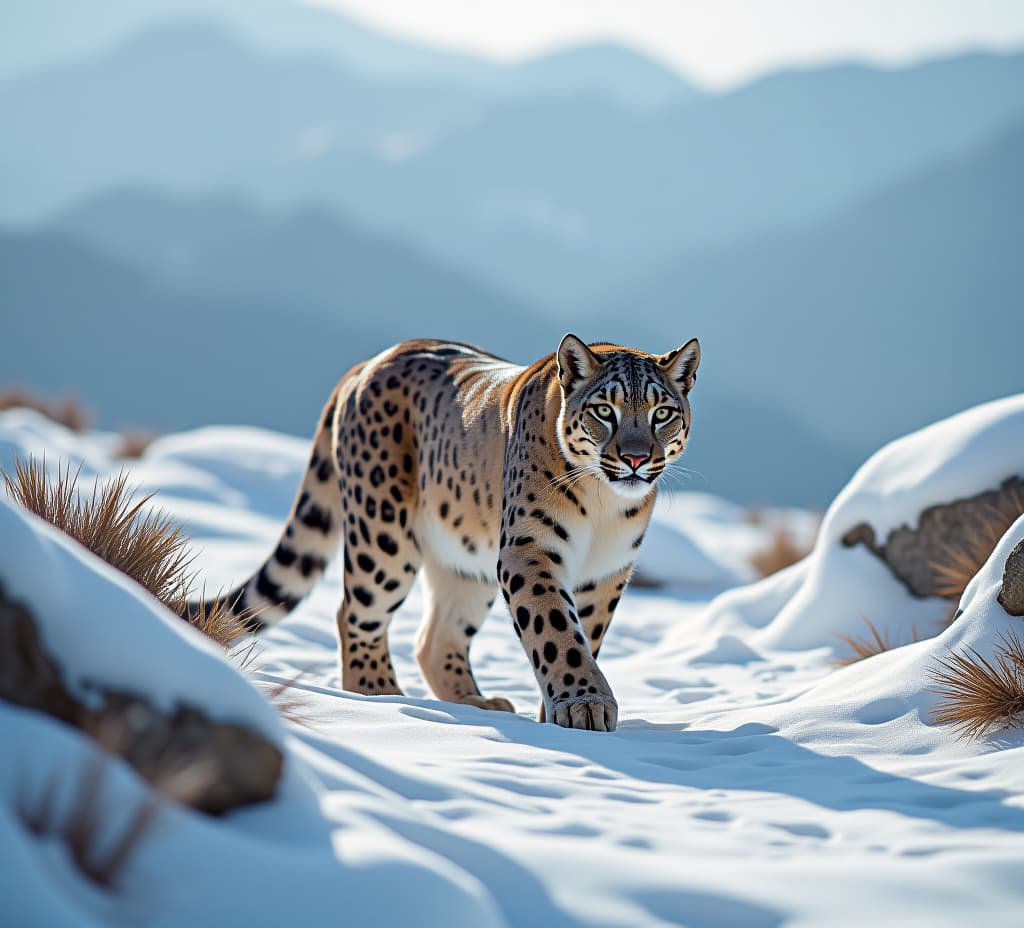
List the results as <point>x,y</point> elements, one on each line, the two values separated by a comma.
<point>751,782</point>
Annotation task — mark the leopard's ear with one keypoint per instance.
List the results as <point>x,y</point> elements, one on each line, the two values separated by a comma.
<point>681,365</point>
<point>576,361</point>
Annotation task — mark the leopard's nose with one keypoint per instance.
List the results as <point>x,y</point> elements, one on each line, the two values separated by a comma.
<point>635,460</point>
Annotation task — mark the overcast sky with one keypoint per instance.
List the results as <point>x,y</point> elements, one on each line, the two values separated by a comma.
<point>716,42</point>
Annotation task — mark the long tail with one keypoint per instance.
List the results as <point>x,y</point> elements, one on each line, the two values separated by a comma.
<point>308,542</point>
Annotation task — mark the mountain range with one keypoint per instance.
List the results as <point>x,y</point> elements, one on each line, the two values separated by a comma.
<point>901,309</point>
<point>160,353</point>
<point>229,209</point>
<point>38,34</point>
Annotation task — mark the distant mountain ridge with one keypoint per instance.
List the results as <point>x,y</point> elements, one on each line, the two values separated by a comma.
<point>897,311</point>
<point>147,352</point>
<point>30,43</point>
<point>221,244</point>
<point>568,201</point>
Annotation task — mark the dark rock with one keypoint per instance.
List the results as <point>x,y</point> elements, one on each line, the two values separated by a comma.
<point>1011,596</point>
<point>211,766</point>
<point>911,554</point>
<point>27,676</point>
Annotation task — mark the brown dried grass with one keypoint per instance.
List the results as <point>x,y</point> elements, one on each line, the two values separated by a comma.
<point>875,642</point>
<point>132,445</point>
<point>962,559</point>
<point>979,695</point>
<point>67,411</point>
<point>143,544</point>
<point>782,552</point>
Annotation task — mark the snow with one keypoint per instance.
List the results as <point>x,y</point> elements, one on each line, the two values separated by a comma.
<point>751,781</point>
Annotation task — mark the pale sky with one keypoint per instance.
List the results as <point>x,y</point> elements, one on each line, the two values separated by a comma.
<point>718,43</point>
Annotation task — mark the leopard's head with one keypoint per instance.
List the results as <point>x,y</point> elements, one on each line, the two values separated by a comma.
<point>625,414</point>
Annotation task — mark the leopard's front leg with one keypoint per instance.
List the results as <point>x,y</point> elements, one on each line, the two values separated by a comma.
<point>538,591</point>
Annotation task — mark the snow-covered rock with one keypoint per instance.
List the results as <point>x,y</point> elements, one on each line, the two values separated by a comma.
<point>840,586</point>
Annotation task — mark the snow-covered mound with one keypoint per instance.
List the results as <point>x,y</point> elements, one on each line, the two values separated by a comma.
<point>837,587</point>
<point>894,692</point>
<point>105,632</point>
<point>751,782</point>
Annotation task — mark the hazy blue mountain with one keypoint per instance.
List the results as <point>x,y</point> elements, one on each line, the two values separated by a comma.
<point>143,351</point>
<point>304,257</point>
<point>562,200</point>
<point>568,201</point>
<point>902,309</point>
<point>187,105</point>
<point>605,69</point>
<point>30,40</point>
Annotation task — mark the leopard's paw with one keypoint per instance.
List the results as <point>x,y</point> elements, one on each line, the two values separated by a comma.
<point>593,712</point>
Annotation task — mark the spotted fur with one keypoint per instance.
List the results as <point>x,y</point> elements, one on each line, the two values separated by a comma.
<point>440,458</point>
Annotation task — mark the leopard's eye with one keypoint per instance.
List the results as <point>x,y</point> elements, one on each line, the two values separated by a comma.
<point>604,411</point>
<point>662,414</point>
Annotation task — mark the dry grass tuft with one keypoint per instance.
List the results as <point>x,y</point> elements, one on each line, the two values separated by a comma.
<point>144,545</point>
<point>875,642</point>
<point>67,411</point>
<point>979,695</point>
<point>83,831</point>
<point>133,444</point>
<point>781,553</point>
<point>215,618</point>
<point>961,560</point>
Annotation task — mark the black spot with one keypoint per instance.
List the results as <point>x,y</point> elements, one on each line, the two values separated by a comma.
<point>573,657</point>
<point>536,658</point>
<point>272,591</point>
<point>285,556</point>
<point>377,475</point>
<point>311,564</point>
<point>596,633</point>
<point>587,610</point>
<point>516,583</point>
<point>523,617</point>
<point>538,589</point>
<point>317,518</point>
<point>367,564</point>
<point>538,624</point>
<point>363,595</point>
<point>558,620</point>
<point>550,652</point>
<point>613,604</point>
<point>387,544</point>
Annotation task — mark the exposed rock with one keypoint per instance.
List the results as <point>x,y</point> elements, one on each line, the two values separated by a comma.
<point>212,766</point>
<point>27,675</point>
<point>1011,596</point>
<point>911,554</point>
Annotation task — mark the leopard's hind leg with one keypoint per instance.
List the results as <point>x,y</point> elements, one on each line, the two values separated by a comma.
<point>379,500</point>
<point>456,608</point>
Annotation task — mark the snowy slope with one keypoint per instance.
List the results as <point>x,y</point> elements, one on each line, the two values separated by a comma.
<point>750,782</point>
